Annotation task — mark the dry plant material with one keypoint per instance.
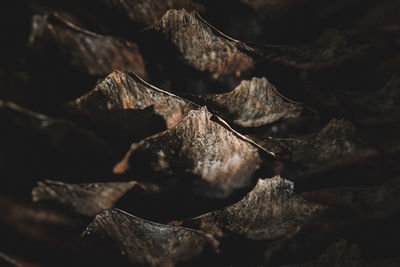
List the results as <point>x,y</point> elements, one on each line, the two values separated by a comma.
<point>330,50</point>
<point>337,143</point>
<point>368,203</point>
<point>41,231</point>
<point>252,103</point>
<point>203,47</point>
<point>84,199</point>
<point>85,51</point>
<point>128,102</point>
<point>272,6</point>
<point>37,222</point>
<point>216,158</point>
<point>63,147</point>
<point>365,108</point>
<point>377,107</point>
<point>91,120</point>
<point>337,254</point>
<point>270,211</point>
<point>149,12</point>
<point>15,86</point>
<point>8,260</point>
<point>147,242</point>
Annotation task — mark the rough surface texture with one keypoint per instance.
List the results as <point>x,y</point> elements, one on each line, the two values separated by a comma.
<point>86,76</point>
<point>149,12</point>
<point>251,104</point>
<point>148,242</point>
<point>124,91</point>
<point>85,199</point>
<point>85,51</point>
<point>270,211</point>
<point>202,46</point>
<point>218,159</point>
<point>336,142</point>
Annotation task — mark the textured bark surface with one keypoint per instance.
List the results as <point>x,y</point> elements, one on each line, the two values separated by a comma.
<point>84,199</point>
<point>270,211</point>
<point>251,104</point>
<point>217,159</point>
<point>124,91</point>
<point>148,242</point>
<point>85,51</point>
<point>202,46</point>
